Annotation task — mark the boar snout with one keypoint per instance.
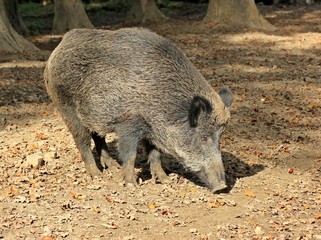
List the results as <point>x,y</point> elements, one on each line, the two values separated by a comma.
<point>220,188</point>
<point>213,175</point>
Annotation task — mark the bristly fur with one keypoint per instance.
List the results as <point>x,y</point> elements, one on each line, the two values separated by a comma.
<point>141,86</point>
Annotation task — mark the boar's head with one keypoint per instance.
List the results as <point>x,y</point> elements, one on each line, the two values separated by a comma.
<point>197,142</point>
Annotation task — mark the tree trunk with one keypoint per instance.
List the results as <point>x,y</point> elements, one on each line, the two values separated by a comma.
<point>15,17</point>
<point>69,14</point>
<point>143,11</point>
<point>236,13</point>
<point>10,40</point>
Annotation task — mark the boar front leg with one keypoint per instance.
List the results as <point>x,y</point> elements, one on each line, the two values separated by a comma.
<point>156,168</point>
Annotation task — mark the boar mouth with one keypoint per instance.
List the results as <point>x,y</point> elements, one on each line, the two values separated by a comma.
<point>213,176</point>
<point>219,189</point>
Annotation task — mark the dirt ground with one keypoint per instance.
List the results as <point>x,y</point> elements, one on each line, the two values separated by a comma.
<point>271,148</point>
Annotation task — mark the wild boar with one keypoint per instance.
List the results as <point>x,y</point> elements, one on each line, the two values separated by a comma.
<point>142,87</point>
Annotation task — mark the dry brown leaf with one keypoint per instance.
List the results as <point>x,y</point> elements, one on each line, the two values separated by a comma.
<point>48,238</point>
<point>318,216</point>
<point>76,195</point>
<point>12,191</point>
<point>114,226</point>
<point>216,203</point>
<point>312,106</point>
<point>32,181</point>
<point>45,147</point>
<point>282,206</point>
<point>6,174</point>
<point>41,136</point>
<point>151,206</point>
<point>166,212</point>
<point>249,193</point>
<point>45,114</point>
<point>32,147</point>
<point>96,209</point>
<point>33,198</point>
<point>181,194</point>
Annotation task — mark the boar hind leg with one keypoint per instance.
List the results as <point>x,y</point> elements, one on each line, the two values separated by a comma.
<point>127,148</point>
<point>156,169</point>
<point>82,139</point>
<point>102,150</point>
<point>129,135</point>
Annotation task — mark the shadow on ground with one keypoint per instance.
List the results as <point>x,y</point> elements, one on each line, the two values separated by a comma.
<point>235,168</point>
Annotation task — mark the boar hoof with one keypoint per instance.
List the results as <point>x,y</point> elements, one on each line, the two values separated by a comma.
<point>219,189</point>
<point>93,170</point>
<point>129,178</point>
<point>130,183</point>
<point>158,174</point>
<point>106,161</point>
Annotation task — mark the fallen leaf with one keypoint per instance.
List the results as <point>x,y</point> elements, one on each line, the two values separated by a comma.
<point>152,206</point>
<point>249,193</point>
<point>96,209</point>
<point>32,181</point>
<point>33,198</point>
<point>110,225</point>
<point>77,196</point>
<point>12,191</point>
<point>166,212</point>
<point>5,174</point>
<point>216,204</point>
<point>41,136</point>
<point>318,216</point>
<point>181,194</point>
<point>312,106</point>
<point>32,147</point>
<point>282,206</point>
<point>114,226</point>
<point>108,199</point>
<point>48,238</point>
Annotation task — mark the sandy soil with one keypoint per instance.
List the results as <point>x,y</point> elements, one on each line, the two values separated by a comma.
<point>271,148</point>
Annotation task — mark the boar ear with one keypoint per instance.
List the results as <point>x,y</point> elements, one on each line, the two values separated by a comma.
<point>198,105</point>
<point>226,95</point>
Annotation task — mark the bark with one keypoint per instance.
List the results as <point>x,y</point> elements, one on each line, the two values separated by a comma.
<point>143,11</point>
<point>236,13</point>
<point>10,40</point>
<point>69,14</point>
<point>15,17</point>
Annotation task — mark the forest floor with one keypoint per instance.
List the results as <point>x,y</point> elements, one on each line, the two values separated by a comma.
<point>271,148</point>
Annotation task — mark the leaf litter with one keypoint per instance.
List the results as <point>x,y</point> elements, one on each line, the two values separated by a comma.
<point>270,149</point>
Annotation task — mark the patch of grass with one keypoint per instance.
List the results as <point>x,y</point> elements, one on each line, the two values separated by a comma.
<point>39,27</point>
<point>37,17</point>
<point>113,5</point>
<point>36,10</point>
<point>184,9</point>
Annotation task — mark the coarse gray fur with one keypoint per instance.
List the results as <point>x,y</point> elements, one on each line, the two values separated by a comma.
<point>141,86</point>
